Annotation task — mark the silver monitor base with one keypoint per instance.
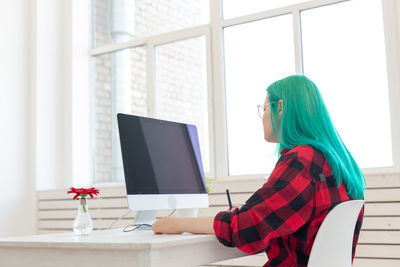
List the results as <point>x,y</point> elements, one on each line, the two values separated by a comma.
<point>145,218</point>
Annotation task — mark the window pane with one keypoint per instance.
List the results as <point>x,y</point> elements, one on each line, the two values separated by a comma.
<point>346,59</point>
<point>181,86</point>
<point>256,54</point>
<point>119,86</point>
<point>119,21</point>
<point>236,8</point>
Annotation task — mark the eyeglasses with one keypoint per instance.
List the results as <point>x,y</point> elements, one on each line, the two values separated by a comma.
<point>261,109</point>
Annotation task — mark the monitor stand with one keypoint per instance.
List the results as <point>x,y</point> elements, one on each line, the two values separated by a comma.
<point>145,218</point>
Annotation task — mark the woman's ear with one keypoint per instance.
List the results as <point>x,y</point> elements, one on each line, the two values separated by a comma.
<point>280,106</point>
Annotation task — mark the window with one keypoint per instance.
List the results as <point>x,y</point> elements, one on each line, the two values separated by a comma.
<point>346,58</point>
<point>172,60</point>
<point>120,85</point>
<point>181,86</point>
<point>236,8</point>
<point>252,61</point>
<point>127,80</point>
<point>121,21</point>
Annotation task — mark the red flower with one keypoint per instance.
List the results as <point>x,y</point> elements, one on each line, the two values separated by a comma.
<point>83,192</point>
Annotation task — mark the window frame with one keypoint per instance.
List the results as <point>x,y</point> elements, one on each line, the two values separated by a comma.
<point>213,32</point>
<point>150,43</point>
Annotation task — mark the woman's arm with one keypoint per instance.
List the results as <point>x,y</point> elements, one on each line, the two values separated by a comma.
<point>200,225</point>
<point>169,225</point>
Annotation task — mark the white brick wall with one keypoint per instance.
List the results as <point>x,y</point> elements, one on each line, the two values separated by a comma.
<point>179,73</point>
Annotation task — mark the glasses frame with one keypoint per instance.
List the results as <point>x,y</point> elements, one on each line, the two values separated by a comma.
<point>262,107</point>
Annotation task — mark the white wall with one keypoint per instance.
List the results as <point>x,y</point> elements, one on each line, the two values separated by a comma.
<point>17,189</point>
<point>51,125</point>
<point>62,66</point>
<point>44,104</point>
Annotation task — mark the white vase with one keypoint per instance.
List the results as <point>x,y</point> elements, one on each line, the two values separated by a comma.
<point>83,224</point>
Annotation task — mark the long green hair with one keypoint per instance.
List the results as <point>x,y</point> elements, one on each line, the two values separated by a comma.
<point>305,121</point>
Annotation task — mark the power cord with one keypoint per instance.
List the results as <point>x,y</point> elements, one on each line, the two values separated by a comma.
<point>172,212</point>
<point>136,225</point>
<point>114,222</point>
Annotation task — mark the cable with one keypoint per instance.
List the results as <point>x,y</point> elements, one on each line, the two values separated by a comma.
<point>114,222</point>
<point>138,225</point>
<point>172,212</point>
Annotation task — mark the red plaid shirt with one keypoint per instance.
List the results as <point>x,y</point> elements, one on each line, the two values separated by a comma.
<point>282,218</point>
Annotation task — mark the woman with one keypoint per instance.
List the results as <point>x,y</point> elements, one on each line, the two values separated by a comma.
<point>314,173</point>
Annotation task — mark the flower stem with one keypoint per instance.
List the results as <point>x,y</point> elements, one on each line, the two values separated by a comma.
<point>83,203</point>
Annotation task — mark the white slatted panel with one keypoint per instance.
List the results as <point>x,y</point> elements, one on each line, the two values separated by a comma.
<point>379,243</point>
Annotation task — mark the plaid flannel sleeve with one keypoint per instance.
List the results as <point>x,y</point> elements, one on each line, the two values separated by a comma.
<point>280,207</point>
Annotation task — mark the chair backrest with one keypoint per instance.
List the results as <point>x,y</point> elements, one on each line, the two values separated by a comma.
<point>334,241</point>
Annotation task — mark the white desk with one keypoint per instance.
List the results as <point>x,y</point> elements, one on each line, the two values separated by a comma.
<point>114,248</point>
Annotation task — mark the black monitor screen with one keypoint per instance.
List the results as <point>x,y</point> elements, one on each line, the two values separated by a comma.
<point>160,157</point>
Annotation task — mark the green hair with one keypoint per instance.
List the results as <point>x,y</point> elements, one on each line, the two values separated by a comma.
<point>305,121</point>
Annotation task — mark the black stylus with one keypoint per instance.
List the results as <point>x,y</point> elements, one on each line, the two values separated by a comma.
<point>229,199</point>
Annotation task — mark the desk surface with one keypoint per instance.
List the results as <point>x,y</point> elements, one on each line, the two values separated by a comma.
<point>110,239</point>
<point>136,248</point>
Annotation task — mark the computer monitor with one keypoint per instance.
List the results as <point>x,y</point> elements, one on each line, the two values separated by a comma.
<point>162,166</point>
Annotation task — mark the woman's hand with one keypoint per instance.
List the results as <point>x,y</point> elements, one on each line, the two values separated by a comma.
<point>233,208</point>
<point>166,225</point>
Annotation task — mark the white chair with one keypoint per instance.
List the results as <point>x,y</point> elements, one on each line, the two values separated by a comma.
<point>334,241</point>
